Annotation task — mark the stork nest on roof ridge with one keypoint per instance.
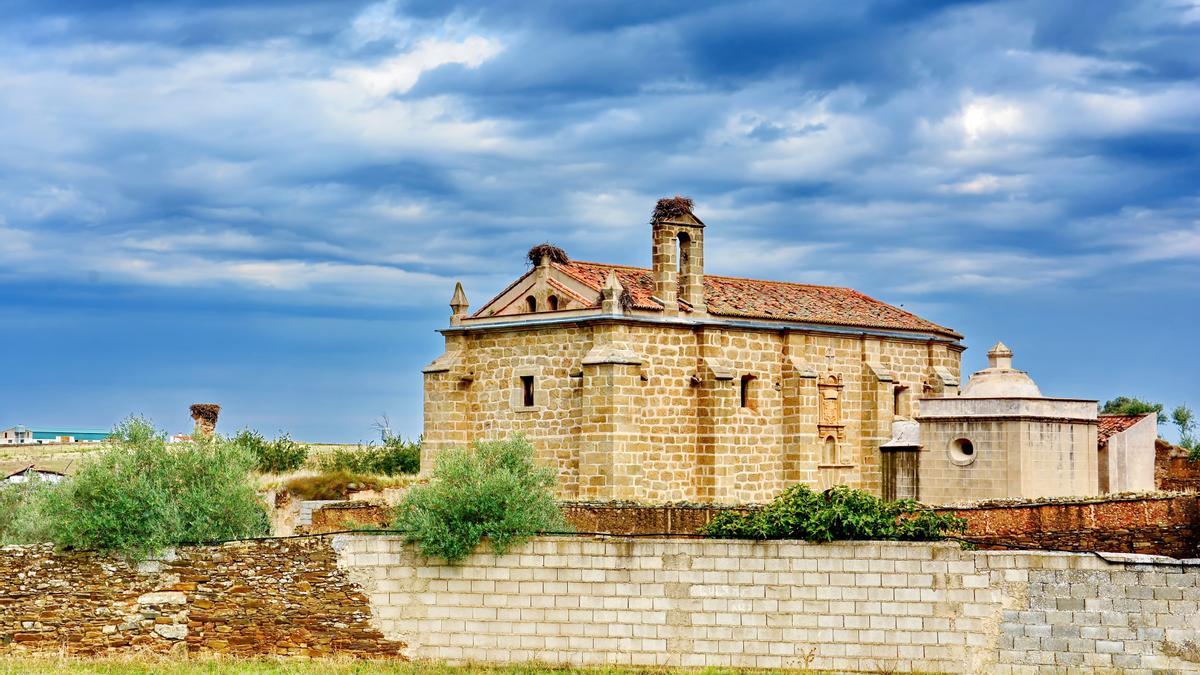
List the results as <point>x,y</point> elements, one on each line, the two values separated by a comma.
<point>206,411</point>
<point>557,255</point>
<point>672,207</point>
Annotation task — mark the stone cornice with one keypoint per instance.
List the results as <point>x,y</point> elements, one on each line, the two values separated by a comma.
<point>477,325</point>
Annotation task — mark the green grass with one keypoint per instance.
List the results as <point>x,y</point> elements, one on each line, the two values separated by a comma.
<point>217,666</point>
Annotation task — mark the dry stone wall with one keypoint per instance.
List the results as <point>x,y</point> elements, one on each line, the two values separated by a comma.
<point>865,606</point>
<point>1173,470</point>
<point>285,597</point>
<point>1165,524</point>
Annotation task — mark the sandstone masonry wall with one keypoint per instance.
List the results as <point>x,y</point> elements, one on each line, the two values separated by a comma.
<point>652,412</point>
<point>876,607</point>
<point>283,596</point>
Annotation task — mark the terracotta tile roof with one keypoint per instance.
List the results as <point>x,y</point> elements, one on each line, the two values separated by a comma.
<point>772,300</point>
<point>568,293</point>
<point>1111,425</point>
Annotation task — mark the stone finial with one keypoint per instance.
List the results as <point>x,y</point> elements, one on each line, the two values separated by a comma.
<point>458,304</point>
<point>1000,356</point>
<point>610,294</point>
<point>205,415</point>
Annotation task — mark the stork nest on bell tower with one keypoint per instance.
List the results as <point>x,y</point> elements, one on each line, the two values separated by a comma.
<point>672,207</point>
<point>207,412</point>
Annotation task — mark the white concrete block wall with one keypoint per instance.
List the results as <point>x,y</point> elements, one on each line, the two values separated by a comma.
<point>310,506</point>
<point>871,606</point>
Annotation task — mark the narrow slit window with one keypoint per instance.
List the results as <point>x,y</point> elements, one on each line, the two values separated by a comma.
<point>685,253</point>
<point>532,303</point>
<point>898,401</point>
<point>745,395</point>
<point>527,391</point>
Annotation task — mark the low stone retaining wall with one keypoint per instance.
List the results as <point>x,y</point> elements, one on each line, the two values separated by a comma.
<point>865,606</point>
<point>629,518</point>
<point>350,515</point>
<point>271,597</point>
<point>851,606</point>
<point>1161,525</point>
<point>1173,470</point>
<point>1167,524</point>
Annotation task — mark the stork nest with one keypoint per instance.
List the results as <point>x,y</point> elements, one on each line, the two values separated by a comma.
<point>557,255</point>
<point>206,411</point>
<point>672,207</point>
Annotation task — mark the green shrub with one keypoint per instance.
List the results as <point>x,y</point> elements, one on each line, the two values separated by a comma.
<point>396,456</point>
<point>278,456</point>
<point>494,490</point>
<point>840,513</point>
<point>23,517</point>
<point>141,495</point>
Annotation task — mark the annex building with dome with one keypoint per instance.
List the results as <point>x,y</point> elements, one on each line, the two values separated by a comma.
<point>671,384</point>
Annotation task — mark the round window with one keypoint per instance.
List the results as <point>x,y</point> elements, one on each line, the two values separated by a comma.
<point>962,451</point>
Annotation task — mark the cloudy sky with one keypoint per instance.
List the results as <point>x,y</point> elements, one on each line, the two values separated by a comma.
<point>266,204</point>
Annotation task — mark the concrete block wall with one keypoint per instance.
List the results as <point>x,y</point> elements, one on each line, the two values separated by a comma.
<point>868,606</point>
<point>1083,613</point>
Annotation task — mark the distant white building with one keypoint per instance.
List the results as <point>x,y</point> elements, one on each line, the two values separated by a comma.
<point>23,435</point>
<point>1126,444</point>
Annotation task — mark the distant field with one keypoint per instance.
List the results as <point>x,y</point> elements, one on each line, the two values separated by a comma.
<point>58,455</point>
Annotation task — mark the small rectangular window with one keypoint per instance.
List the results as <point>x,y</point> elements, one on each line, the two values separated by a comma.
<point>527,391</point>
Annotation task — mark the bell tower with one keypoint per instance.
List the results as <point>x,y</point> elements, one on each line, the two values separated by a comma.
<point>678,256</point>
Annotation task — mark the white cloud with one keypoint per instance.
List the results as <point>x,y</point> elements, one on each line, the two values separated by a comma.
<point>982,271</point>
<point>984,183</point>
<point>399,74</point>
<point>225,240</point>
<point>380,22</point>
<point>1065,66</point>
<point>987,117</point>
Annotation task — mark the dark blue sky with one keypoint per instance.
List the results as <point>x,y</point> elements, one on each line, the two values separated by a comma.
<point>267,204</point>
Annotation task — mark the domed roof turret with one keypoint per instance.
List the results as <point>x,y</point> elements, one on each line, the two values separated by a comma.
<point>1000,379</point>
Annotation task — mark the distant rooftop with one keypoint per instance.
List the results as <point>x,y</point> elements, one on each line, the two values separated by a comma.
<point>1111,425</point>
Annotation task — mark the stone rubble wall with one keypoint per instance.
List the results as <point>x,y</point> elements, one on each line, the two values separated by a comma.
<point>870,606</point>
<point>1166,524</point>
<point>1173,470</point>
<point>284,596</point>
<point>350,515</point>
<point>626,518</point>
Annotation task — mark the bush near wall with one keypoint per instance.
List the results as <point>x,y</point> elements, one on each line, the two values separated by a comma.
<point>493,489</point>
<point>275,456</point>
<point>396,456</point>
<point>840,513</point>
<point>22,513</point>
<point>141,495</point>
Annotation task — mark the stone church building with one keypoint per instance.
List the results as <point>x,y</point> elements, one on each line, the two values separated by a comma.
<point>668,383</point>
